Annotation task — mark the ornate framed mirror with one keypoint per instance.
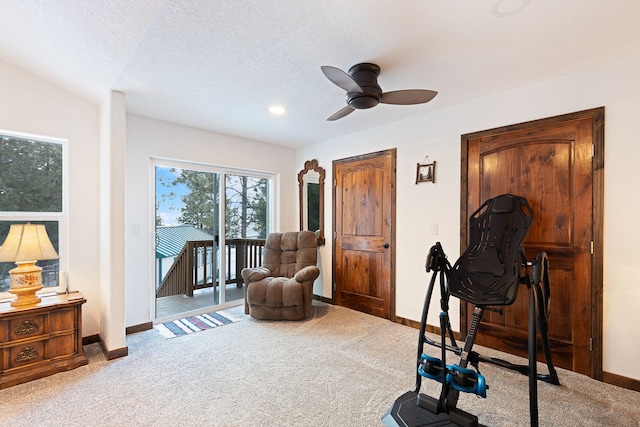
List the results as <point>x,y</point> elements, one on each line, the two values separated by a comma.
<point>311,188</point>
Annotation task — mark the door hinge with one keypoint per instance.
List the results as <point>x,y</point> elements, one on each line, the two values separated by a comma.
<point>592,247</point>
<point>590,344</point>
<point>593,150</point>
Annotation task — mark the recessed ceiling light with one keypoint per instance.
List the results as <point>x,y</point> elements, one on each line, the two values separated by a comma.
<point>277,109</point>
<point>508,7</point>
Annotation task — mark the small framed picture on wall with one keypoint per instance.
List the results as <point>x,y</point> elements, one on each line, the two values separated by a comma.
<point>426,172</point>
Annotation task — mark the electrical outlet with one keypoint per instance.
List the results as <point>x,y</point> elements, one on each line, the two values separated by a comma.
<point>434,228</point>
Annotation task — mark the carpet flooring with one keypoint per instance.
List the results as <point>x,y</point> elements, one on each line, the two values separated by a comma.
<point>338,368</point>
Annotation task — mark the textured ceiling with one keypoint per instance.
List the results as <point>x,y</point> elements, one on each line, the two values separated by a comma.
<point>219,64</point>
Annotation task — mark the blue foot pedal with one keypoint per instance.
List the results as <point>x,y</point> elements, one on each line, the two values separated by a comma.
<point>467,380</point>
<point>431,367</point>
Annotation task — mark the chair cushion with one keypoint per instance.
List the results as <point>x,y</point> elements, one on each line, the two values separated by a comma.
<point>287,253</point>
<point>276,298</point>
<point>275,292</point>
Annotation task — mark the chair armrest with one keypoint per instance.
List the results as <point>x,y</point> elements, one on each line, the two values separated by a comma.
<point>254,274</point>
<point>310,272</point>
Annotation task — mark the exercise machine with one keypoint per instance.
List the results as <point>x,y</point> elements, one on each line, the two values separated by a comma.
<point>487,275</point>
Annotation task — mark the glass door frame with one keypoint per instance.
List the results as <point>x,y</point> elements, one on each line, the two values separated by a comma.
<point>222,171</point>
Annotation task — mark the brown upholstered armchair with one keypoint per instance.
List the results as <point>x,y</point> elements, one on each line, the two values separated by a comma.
<point>282,289</point>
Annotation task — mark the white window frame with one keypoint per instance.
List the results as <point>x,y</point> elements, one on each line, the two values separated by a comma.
<point>60,217</point>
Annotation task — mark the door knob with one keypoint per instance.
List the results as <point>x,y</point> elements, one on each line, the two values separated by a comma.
<point>386,246</point>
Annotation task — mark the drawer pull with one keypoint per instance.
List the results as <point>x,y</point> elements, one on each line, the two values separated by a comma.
<point>27,327</point>
<point>27,354</point>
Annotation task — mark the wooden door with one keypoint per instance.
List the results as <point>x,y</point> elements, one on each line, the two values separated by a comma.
<point>551,163</point>
<point>364,217</point>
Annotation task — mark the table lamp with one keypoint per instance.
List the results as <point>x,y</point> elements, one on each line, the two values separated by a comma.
<point>25,245</point>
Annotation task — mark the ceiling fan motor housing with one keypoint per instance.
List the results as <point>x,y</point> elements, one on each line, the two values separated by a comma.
<point>366,75</point>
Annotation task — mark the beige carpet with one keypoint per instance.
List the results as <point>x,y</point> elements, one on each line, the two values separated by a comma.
<point>339,368</point>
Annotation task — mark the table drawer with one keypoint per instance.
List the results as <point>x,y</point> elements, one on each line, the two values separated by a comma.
<point>26,327</point>
<point>25,354</point>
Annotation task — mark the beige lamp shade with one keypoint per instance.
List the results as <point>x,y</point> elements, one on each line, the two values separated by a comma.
<point>27,242</point>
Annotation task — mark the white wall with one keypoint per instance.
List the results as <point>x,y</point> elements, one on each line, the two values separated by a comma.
<point>437,135</point>
<point>33,106</point>
<point>146,139</point>
<point>112,254</point>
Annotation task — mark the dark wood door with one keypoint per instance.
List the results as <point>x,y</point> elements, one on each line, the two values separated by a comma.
<point>551,163</point>
<point>364,215</point>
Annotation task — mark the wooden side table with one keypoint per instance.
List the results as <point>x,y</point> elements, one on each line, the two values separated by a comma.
<point>40,340</point>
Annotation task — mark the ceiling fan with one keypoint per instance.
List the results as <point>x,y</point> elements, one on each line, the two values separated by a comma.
<point>363,91</point>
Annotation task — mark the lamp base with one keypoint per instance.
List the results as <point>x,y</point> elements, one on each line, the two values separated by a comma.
<point>25,297</point>
<point>26,280</point>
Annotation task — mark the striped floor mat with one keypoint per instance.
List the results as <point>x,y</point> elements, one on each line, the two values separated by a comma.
<point>189,325</point>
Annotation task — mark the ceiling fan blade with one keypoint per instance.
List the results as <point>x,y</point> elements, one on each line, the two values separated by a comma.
<point>340,114</point>
<point>408,97</point>
<point>341,79</point>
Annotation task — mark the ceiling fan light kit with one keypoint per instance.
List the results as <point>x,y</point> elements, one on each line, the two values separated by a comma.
<point>363,90</point>
<point>366,76</point>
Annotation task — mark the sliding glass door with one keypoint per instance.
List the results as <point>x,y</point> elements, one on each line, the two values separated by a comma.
<point>200,252</point>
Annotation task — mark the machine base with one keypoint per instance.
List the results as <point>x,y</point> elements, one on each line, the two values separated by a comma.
<point>405,412</point>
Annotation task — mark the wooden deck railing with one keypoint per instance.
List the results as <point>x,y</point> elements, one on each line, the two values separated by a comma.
<point>194,268</point>
<point>248,253</point>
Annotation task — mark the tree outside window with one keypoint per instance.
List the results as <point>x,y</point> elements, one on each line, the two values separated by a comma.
<point>194,196</point>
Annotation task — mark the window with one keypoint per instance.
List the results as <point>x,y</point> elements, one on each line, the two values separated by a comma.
<point>247,208</point>
<point>32,177</point>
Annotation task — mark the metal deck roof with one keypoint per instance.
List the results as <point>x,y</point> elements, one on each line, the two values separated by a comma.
<point>171,239</point>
